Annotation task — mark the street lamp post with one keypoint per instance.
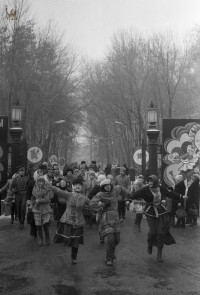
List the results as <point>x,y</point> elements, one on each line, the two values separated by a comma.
<point>16,133</point>
<point>153,134</point>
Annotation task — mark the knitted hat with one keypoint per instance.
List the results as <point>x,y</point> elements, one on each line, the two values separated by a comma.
<point>105,182</point>
<point>100,178</point>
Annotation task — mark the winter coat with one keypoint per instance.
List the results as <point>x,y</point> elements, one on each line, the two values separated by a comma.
<point>75,203</point>
<point>96,189</point>
<point>193,195</point>
<point>109,221</point>
<point>180,189</point>
<point>121,193</point>
<point>43,195</point>
<point>152,208</point>
<point>123,181</point>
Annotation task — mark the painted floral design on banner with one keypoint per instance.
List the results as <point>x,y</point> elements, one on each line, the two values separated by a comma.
<point>183,152</point>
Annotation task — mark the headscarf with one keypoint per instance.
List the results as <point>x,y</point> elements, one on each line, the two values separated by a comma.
<point>155,180</point>
<point>39,191</point>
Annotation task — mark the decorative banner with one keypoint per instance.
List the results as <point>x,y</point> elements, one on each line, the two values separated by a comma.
<point>53,159</point>
<point>3,149</point>
<point>181,149</point>
<point>34,154</point>
<point>61,162</point>
<point>137,157</point>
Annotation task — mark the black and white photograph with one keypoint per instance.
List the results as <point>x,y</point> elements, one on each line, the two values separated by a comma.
<point>99,147</point>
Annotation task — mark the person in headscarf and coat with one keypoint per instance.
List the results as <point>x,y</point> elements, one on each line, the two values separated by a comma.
<point>72,221</point>
<point>157,216</point>
<point>107,203</point>
<point>193,195</point>
<point>61,202</point>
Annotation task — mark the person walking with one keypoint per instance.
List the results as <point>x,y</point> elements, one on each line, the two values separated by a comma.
<point>61,202</point>
<point>192,202</point>
<point>106,202</point>
<point>122,180</point>
<point>181,189</point>
<point>41,200</point>
<point>138,205</point>
<point>10,199</point>
<point>156,213</point>
<point>72,221</point>
<point>19,187</point>
<point>30,215</point>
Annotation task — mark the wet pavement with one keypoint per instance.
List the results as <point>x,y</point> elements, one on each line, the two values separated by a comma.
<point>27,269</point>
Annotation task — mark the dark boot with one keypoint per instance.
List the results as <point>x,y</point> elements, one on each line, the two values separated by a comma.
<point>74,255</point>
<point>12,220</point>
<point>173,221</point>
<point>150,248</point>
<point>101,239</point>
<point>40,235</point>
<point>46,231</point>
<point>159,255</point>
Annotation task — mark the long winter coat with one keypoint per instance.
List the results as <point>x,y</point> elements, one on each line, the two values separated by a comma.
<point>75,203</point>
<point>180,189</point>
<point>193,195</point>
<point>109,221</point>
<point>151,209</point>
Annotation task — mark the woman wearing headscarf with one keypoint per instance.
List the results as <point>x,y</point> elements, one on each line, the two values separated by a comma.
<point>157,216</point>
<point>193,194</point>
<point>106,202</point>
<point>61,202</point>
<point>72,221</point>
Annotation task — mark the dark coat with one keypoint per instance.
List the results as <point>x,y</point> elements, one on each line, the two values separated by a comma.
<point>148,197</point>
<point>193,195</point>
<point>180,189</point>
<point>96,189</point>
<point>29,190</point>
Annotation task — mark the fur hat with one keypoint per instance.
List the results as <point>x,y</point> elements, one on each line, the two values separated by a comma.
<point>137,181</point>
<point>41,177</point>
<point>105,182</point>
<point>100,178</point>
<point>77,181</point>
<point>109,176</point>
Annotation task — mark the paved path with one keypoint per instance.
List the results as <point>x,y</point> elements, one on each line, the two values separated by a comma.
<point>26,269</point>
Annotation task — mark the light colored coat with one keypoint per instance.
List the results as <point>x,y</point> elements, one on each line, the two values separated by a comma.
<point>75,203</point>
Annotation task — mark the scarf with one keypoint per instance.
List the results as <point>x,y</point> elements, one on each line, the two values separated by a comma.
<point>156,196</point>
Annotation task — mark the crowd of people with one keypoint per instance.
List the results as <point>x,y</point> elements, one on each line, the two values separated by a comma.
<point>80,193</point>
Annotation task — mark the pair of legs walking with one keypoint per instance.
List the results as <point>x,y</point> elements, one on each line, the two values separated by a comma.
<point>21,208</point>
<point>46,232</point>
<point>113,240</point>
<point>13,212</point>
<point>121,210</point>
<point>138,219</point>
<point>156,235</point>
